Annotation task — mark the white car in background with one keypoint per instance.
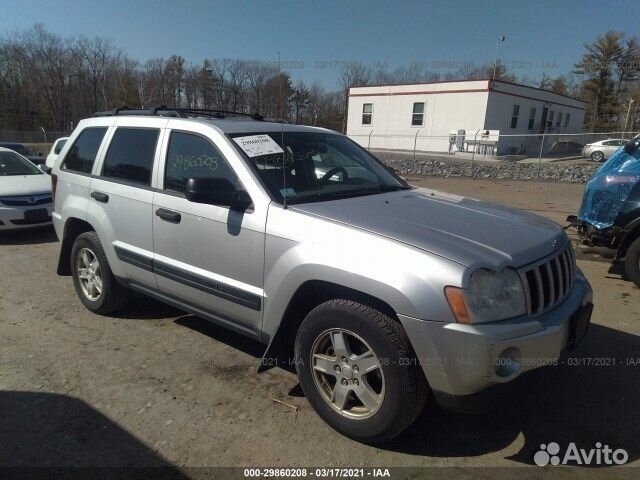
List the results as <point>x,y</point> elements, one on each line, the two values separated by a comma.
<point>25,193</point>
<point>55,150</point>
<point>602,150</point>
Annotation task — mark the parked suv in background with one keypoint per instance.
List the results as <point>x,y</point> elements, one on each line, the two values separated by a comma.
<point>55,150</point>
<point>378,293</point>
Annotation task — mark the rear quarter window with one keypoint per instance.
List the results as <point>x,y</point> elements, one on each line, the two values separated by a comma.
<point>82,154</point>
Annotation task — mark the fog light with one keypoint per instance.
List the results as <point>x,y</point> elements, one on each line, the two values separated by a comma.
<point>508,362</point>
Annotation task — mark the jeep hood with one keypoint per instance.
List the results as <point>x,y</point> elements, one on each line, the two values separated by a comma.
<point>468,231</point>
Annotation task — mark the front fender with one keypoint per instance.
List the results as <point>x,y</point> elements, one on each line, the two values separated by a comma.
<point>409,280</point>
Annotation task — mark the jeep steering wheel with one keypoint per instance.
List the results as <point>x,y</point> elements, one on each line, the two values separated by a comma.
<point>345,175</point>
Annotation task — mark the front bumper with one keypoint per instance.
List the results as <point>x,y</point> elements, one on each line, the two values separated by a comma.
<point>461,360</point>
<point>13,218</point>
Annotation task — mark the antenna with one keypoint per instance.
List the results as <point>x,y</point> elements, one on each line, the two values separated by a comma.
<point>284,153</point>
<point>284,172</point>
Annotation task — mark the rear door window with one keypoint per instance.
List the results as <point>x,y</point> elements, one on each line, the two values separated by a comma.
<point>193,156</point>
<point>130,155</point>
<point>82,154</point>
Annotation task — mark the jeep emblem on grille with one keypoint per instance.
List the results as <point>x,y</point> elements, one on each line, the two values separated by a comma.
<point>557,242</point>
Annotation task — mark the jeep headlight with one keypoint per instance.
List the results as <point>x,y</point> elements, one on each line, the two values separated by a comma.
<point>495,295</point>
<point>490,296</point>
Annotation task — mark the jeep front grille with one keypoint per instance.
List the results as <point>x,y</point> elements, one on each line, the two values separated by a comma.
<point>549,281</point>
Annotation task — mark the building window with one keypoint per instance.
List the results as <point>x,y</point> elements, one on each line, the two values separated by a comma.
<point>550,119</point>
<point>559,121</point>
<point>566,119</point>
<point>532,118</point>
<point>367,113</point>
<point>514,116</point>
<point>417,116</point>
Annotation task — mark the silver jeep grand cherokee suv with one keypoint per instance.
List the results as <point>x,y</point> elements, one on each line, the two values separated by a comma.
<point>379,294</point>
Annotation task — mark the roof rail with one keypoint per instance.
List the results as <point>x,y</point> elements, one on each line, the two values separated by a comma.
<point>165,111</point>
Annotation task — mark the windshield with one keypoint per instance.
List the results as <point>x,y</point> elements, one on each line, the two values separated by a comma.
<point>13,164</point>
<point>309,166</point>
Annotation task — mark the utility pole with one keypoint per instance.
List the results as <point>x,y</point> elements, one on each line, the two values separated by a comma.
<point>279,88</point>
<point>595,113</point>
<point>626,120</point>
<point>495,64</point>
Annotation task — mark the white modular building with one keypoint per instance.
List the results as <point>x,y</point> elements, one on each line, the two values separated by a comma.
<point>459,115</point>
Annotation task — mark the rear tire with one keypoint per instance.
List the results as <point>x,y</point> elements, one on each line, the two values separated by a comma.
<point>371,402</point>
<point>95,284</point>
<point>632,262</point>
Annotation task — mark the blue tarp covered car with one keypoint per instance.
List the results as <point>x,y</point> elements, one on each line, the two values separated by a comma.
<point>609,215</point>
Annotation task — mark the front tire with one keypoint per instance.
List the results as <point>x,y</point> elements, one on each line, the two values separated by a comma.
<point>632,262</point>
<point>95,284</point>
<point>597,156</point>
<point>357,369</point>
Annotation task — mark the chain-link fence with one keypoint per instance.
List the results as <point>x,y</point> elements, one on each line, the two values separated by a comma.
<point>38,136</point>
<point>493,145</point>
<point>487,144</point>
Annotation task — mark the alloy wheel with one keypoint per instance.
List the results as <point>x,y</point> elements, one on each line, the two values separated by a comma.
<point>89,274</point>
<point>347,373</point>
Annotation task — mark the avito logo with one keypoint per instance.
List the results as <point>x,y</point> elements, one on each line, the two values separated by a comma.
<point>600,455</point>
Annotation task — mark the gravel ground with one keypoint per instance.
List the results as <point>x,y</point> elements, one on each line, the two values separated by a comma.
<point>155,387</point>
<point>571,171</point>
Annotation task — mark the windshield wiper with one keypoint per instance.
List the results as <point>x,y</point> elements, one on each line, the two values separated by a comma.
<point>369,190</point>
<point>320,196</point>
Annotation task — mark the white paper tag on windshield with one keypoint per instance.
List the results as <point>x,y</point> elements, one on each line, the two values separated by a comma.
<point>256,145</point>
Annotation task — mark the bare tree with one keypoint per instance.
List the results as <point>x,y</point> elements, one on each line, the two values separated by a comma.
<point>258,74</point>
<point>92,59</point>
<point>352,75</point>
<point>300,99</point>
<point>50,81</point>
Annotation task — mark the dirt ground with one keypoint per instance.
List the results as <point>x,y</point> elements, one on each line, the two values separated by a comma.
<point>155,387</point>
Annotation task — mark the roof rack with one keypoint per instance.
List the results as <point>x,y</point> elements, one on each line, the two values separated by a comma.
<point>164,111</point>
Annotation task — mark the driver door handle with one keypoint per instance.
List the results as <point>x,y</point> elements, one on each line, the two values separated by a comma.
<point>168,215</point>
<point>100,197</point>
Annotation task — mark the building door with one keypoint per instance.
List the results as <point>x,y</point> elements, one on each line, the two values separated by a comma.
<point>543,120</point>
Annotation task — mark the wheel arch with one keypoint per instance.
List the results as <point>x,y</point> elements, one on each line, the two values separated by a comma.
<point>308,296</point>
<point>73,228</point>
<point>629,237</point>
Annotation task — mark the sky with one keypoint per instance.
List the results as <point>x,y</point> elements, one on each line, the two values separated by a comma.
<point>316,38</point>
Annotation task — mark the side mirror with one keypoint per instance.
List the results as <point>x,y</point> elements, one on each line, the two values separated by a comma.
<point>44,169</point>
<point>217,191</point>
<point>241,201</point>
